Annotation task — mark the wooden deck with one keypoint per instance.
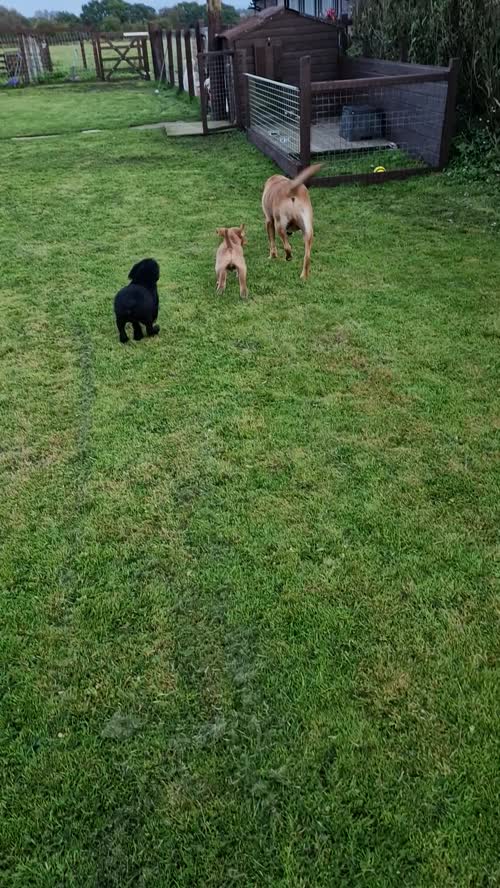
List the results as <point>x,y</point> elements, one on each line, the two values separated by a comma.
<point>325,138</point>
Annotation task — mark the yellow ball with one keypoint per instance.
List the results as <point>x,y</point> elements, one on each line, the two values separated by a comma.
<point>379,170</point>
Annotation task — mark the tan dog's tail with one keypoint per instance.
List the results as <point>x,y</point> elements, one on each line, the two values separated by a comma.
<point>303,177</point>
<point>224,232</point>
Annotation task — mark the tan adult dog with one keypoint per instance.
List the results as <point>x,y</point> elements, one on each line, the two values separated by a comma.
<point>287,207</point>
<point>230,257</point>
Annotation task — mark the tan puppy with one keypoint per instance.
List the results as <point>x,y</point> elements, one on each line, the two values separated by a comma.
<point>230,257</point>
<point>287,207</point>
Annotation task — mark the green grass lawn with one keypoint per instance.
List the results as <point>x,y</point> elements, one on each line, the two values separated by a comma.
<point>44,110</point>
<point>249,603</point>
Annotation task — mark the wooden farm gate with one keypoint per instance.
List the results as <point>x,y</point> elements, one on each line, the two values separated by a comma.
<point>121,55</point>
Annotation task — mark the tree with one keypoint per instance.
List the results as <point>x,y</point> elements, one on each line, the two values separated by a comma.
<point>139,12</point>
<point>95,11</point>
<point>230,15</point>
<point>47,17</point>
<point>187,13</point>
<point>10,19</point>
<point>111,23</point>
<point>67,18</point>
<point>184,15</point>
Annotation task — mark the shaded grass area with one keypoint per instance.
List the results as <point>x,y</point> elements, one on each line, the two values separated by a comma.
<point>43,110</point>
<point>258,550</point>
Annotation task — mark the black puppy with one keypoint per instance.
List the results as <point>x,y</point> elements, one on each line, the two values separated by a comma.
<point>137,303</point>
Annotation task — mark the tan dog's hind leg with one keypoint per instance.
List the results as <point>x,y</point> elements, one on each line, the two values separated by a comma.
<point>286,243</point>
<point>221,281</point>
<point>308,239</point>
<point>242,277</point>
<point>273,253</point>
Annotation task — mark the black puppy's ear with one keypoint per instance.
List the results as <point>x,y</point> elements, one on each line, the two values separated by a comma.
<point>146,272</point>
<point>135,271</point>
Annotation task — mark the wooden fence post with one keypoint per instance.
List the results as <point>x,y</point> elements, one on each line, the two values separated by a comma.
<point>145,58</point>
<point>96,58</point>
<point>305,110</point>
<point>153,34</point>
<point>157,52</point>
<point>180,75</point>
<point>239,72</point>
<point>199,39</point>
<point>161,56</point>
<point>82,50</point>
<point>203,94</point>
<point>170,53</point>
<point>449,113</point>
<point>99,65</point>
<point>189,63</point>
<point>48,58</point>
<point>214,23</point>
<point>25,71</point>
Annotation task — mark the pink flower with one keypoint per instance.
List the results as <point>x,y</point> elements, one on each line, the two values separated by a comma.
<point>331,15</point>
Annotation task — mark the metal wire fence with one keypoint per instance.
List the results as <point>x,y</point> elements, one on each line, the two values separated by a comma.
<point>396,127</point>
<point>73,56</point>
<point>37,57</point>
<point>219,86</point>
<point>355,129</point>
<point>274,113</point>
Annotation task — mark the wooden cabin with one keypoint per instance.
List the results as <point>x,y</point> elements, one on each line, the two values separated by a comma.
<point>271,43</point>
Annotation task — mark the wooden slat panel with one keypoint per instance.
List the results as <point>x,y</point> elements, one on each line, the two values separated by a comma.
<point>355,67</point>
<point>374,82</point>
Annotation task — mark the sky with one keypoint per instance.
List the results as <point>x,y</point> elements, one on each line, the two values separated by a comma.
<point>29,7</point>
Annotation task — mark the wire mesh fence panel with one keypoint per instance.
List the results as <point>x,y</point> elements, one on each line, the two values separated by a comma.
<point>390,127</point>
<point>37,57</point>
<point>274,113</point>
<point>72,56</point>
<point>11,58</point>
<point>219,87</point>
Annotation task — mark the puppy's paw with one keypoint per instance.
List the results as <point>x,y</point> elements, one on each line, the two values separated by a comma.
<point>288,257</point>
<point>156,330</point>
<point>123,339</point>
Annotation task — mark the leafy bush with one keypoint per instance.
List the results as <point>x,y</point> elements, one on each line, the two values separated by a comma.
<point>476,151</point>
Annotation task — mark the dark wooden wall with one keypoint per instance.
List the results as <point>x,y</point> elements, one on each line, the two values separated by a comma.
<point>295,36</point>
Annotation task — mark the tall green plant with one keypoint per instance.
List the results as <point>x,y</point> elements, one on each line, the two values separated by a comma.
<point>431,32</point>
